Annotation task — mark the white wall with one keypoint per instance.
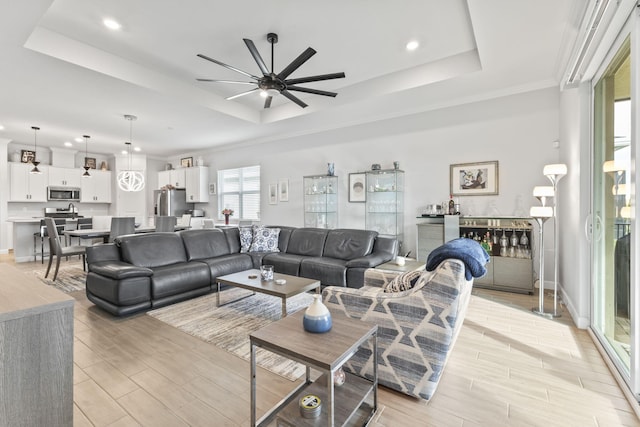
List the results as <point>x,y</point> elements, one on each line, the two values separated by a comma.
<point>517,130</point>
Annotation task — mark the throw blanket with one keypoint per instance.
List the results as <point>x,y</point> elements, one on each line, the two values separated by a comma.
<point>466,250</point>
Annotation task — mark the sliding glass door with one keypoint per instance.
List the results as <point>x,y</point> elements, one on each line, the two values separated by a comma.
<point>613,311</point>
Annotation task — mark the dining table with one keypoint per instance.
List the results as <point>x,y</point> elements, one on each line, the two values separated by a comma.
<point>103,233</point>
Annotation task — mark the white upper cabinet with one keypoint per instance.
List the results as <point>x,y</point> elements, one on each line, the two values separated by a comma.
<point>97,188</point>
<point>65,177</point>
<point>197,184</point>
<point>28,187</point>
<point>175,177</point>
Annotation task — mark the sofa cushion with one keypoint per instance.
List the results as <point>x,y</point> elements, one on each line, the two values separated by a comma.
<point>178,278</point>
<point>233,239</point>
<point>330,271</point>
<point>265,240</point>
<point>152,249</point>
<point>119,270</point>
<point>349,244</point>
<point>246,237</point>
<point>283,263</point>
<point>205,243</point>
<point>307,241</point>
<point>227,264</point>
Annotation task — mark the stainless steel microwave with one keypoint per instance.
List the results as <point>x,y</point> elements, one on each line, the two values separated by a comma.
<point>65,194</point>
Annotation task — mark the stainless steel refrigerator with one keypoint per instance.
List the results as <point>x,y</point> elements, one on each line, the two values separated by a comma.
<point>171,202</point>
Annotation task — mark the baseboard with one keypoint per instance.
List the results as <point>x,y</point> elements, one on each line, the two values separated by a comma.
<point>581,322</point>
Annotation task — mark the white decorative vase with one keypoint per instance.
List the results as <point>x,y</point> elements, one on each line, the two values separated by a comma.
<point>317,318</point>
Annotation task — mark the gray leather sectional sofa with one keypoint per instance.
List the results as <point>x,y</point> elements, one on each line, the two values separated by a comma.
<point>143,271</point>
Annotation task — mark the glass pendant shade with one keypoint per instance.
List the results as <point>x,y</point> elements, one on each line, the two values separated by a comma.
<point>129,179</point>
<point>34,162</point>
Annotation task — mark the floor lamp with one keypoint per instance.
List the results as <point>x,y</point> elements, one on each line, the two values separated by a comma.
<point>555,172</point>
<point>541,214</point>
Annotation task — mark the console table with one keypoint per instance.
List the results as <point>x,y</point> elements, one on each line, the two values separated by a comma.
<point>36,351</point>
<point>353,403</point>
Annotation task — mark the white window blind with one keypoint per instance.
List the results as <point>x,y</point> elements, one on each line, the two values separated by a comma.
<point>239,189</point>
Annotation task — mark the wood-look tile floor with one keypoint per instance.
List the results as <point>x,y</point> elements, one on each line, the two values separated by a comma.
<point>509,368</point>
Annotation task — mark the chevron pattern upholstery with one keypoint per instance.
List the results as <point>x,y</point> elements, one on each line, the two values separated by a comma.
<point>417,328</point>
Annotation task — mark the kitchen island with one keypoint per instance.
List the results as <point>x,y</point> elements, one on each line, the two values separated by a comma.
<point>24,229</point>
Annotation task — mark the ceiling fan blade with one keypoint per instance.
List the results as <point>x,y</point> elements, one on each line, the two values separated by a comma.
<point>241,94</point>
<point>304,57</point>
<point>256,56</point>
<point>293,98</point>
<point>267,102</point>
<point>226,81</point>
<point>228,66</point>
<point>314,91</point>
<point>315,78</point>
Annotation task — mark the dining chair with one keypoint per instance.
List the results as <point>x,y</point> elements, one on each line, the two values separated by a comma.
<point>59,251</point>
<point>121,226</point>
<point>166,223</point>
<point>208,223</point>
<point>185,221</point>
<point>42,234</point>
<point>83,224</point>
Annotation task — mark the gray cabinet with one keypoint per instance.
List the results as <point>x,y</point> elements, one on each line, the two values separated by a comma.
<point>36,342</point>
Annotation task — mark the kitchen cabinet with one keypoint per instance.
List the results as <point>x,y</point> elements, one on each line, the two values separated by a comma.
<point>25,186</point>
<point>197,184</point>
<point>385,203</point>
<point>97,188</point>
<point>65,177</point>
<point>175,177</point>
<point>321,201</point>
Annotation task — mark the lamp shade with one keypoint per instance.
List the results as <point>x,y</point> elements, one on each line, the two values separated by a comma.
<point>611,166</point>
<point>541,212</point>
<point>556,169</point>
<point>543,191</point>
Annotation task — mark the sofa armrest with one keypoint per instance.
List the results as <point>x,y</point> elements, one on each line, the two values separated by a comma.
<point>119,270</point>
<point>101,253</point>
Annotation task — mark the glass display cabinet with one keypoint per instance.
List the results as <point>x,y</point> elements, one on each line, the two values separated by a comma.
<point>321,201</point>
<point>385,203</point>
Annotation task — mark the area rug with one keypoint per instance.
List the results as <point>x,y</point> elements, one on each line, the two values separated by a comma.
<point>70,278</point>
<point>228,327</point>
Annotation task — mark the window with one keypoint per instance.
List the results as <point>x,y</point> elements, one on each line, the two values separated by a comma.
<point>239,190</point>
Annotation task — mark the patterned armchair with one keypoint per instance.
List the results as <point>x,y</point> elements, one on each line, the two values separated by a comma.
<point>417,328</point>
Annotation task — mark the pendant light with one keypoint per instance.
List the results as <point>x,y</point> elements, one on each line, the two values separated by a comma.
<point>129,179</point>
<point>34,162</point>
<point>86,173</point>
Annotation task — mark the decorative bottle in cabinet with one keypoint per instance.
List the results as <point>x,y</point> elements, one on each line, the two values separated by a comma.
<point>384,210</point>
<point>320,201</point>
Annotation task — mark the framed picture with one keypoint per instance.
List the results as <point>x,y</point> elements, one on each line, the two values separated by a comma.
<point>186,162</point>
<point>284,190</point>
<point>273,194</point>
<point>212,188</point>
<point>474,179</point>
<point>90,161</point>
<point>27,156</point>
<point>357,187</point>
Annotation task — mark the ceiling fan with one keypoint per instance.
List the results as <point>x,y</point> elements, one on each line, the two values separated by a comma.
<point>271,84</point>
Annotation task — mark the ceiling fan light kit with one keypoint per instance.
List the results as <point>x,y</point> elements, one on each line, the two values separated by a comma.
<point>272,84</point>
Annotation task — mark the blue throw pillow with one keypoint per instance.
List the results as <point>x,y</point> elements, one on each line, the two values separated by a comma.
<point>265,240</point>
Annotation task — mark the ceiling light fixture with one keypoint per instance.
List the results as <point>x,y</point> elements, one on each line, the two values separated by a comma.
<point>78,139</point>
<point>111,24</point>
<point>68,144</point>
<point>34,162</point>
<point>1,127</point>
<point>412,45</point>
<point>130,180</point>
<point>86,173</point>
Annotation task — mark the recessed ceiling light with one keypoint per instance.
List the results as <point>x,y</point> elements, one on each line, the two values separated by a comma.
<point>68,144</point>
<point>111,24</point>
<point>413,45</point>
<point>1,127</point>
<point>125,152</point>
<point>78,139</point>
<point>137,149</point>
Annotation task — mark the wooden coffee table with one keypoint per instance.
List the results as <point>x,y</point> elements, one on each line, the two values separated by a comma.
<point>250,279</point>
<point>353,403</point>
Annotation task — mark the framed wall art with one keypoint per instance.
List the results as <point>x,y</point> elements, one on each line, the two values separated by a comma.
<point>186,162</point>
<point>27,156</point>
<point>357,189</point>
<point>284,190</point>
<point>273,194</point>
<point>90,161</point>
<point>474,179</point>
